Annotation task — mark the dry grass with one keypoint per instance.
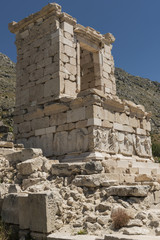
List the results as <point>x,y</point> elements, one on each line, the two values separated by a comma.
<point>120,218</point>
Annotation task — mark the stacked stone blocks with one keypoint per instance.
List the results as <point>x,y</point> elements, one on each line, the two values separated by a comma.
<point>66,99</point>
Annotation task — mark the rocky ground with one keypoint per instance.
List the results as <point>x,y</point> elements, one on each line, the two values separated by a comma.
<point>87,194</point>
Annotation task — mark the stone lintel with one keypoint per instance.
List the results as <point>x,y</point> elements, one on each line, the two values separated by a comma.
<point>93,35</point>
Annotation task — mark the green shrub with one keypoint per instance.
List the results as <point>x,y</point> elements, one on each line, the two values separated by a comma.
<point>82,232</point>
<point>156,150</point>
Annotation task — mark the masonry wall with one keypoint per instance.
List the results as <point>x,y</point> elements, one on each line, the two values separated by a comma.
<point>66,99</point>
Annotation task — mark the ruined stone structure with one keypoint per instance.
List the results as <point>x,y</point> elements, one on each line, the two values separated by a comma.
<point>66,99</point>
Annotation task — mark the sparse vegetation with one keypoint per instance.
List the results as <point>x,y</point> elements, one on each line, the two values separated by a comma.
<point>82,232</point>
<point>120,218</point>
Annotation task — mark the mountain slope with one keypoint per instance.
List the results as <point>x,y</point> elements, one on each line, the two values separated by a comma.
<point>141,91</point>
<point>7,89</point>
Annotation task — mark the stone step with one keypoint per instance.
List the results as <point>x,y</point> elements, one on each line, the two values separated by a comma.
<point>61,236</point>
<point>130,237</point>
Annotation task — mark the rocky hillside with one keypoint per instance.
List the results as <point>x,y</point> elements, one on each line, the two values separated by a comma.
<point>141,91</point>
<point>7,91</point>
<point>134,88</point>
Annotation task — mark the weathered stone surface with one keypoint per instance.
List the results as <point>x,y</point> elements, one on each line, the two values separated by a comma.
<point>9,212</point>
<point>135,231</point>
<point>43,209</point>
<point>124,190</point>
<point>93,180</point>
<point>66,169</point>
<point>143,178</point>
<point>6,144</point>
<point>23,210</point>
<point>29,166</point>
<point>93,167</point>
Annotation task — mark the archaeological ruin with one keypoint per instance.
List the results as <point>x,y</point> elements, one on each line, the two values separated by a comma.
<point>66,101</point>
<point>81,155</point>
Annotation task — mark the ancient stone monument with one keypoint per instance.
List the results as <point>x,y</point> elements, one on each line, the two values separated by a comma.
<point>66,104</point>
<point>66,99</point>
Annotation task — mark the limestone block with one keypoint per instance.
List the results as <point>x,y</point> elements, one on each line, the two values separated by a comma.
<point>143,178</point>
<point>123,128</point>
<point>141,131</point>
<point>76,115</point>
<point>66,41</point>
<point>67,27</point>
<point>69,51</point>
<point>62,128</point>
<point>92,181</point>
<point>94,122</point>
<point>34,115</point>
<point>73,61</point>
<point>121,118</point>
<point>66,169</point>
<point>9,212</point>
<point>71,69</point>
<point>50,69</point>
<point>64,58</point>
<point>24,97</point>
<point>58,119</point>
<point>98,112</point>
<point>55,108</point>
<point>125,190</point>
<point>106,68</point>
<point>107,124</point>
<point>134,122</point>
<point>81,124</point>
<point>46,143</point>
<point>157,197</point>
<point>24,127</point>
<point>40,123</point>
<point>4,144</point>
<point>70,88</point>
<point>29,166</point>
<point>136,231</point>
<point>60,145</point>
<point>51,88</point>
<point>108,115</point>
<point>42,212</point>
<point>68,35</point>
<point>92,167</point>
<point>73,141</point>
<point>43,131</point>
<point>39,132</point>
<point>23,206</point>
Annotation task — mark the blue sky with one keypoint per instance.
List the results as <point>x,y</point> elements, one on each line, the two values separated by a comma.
<point>134,23</point>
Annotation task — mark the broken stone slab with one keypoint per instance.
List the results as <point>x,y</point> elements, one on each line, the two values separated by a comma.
<point>133,237</point>
<point>24,154</point>
<point>43,209</point>
<point>94,180</point>
<point>125,190</point>
<point>143,178</point>
<point>135,231</point>
<point>93,167</point>
<point>66,169</point>
<point>4,144</point>
<point>9,212</point>
<point>30,166</point>
<point>61,236</point>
